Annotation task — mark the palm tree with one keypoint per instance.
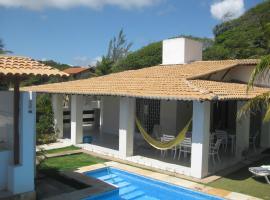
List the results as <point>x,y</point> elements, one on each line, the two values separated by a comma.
<point>261,102</point>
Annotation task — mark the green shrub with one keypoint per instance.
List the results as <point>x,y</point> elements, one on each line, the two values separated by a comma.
<point>46,138</point>
<point>45,125</point>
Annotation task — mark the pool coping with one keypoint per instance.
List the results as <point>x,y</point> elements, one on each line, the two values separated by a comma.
<point>171,180</point>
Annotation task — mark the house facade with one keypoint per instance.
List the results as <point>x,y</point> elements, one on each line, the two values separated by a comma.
<point>166,97</point>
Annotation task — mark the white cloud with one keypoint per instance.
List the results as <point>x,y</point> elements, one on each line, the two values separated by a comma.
<point>64,4</point>
<point>85,61</point>
<point>227,9</point>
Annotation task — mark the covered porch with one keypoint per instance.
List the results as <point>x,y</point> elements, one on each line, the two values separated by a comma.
<point>116,135</point>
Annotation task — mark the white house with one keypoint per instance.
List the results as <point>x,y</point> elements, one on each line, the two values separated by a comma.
<point>165,97</point>
<point>18,126</point>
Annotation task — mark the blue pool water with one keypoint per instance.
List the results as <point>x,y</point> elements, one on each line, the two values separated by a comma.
<point>135,187</point>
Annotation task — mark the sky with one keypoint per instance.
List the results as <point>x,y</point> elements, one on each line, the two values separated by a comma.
<point>77,32</point>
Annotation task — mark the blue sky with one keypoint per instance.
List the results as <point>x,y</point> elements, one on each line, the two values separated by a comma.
<point>78,34</point>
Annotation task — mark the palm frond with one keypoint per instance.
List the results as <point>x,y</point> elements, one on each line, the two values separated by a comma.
<point>256,104</point>
<point>266,117</point>
<point>260,69</point>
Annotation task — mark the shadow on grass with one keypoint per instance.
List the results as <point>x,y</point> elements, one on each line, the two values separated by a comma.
<point>243,173</point>
<point>54,173</point>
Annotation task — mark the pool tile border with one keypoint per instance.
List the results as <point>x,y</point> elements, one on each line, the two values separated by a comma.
<point>170,179</point>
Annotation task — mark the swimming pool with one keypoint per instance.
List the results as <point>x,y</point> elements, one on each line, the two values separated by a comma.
<point>136,187</point>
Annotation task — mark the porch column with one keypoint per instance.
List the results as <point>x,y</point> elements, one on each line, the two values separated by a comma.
<point>200,139</point>
<point>57,104</point>
<point>101,113</point>
<point>21,177</point>
<point>126,126</point>
<point>242,132</point>
<point>76,119</point>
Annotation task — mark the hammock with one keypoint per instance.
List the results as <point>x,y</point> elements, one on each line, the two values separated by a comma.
<point>163,145</point>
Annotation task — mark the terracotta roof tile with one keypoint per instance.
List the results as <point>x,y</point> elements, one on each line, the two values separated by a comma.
<point>24,66</point>
<point>178,82</point>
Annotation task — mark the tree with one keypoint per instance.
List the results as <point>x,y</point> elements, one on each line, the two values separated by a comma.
<point>147,56</point>
<point>244,37</point>
<point>104,66</point>
<point>118,49</point>
<point>2,48</point>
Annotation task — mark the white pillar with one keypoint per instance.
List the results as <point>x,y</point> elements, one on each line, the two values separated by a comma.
<point>57,104</point>
<point>101,113</point>
<point>21,177</point>
<point>200,139</point>
<point>76,119</point>
<point>126,126</point>
<point>242,132</point>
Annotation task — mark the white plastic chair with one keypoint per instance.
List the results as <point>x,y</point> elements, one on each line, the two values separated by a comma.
<point>185,147</point>
<point>214,150</point>
<point>168,138</point>
<point>223,136</point>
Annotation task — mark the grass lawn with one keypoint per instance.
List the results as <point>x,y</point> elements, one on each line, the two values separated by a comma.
<point>242,181</point>
<point>69,148</point>
<point>69,162</point>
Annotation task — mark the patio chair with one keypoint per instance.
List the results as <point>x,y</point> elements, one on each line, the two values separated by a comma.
<point>167,138</point>
<point>263,171</point>
<point>223,136</point>
<point>253,140</point>
<point>185,147</point>
<point>214,150</point>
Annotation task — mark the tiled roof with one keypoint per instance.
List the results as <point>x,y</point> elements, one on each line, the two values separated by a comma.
<point>178,82</point>
<point>75,70</point>
<point>24,66</point>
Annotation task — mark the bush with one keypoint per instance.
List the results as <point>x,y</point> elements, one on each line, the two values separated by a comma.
<point>45,125</point>
<point>46,138</point>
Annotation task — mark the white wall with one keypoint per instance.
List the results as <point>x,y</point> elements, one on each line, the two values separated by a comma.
<point>21,177</point>
<point>168,114</point>
<point>181,51</point>
<point>240,74</point>
<point>110,121</point>
<point>6,119</point>
<point>4,162</point>
<point>6,135</point>
<point>184,114</point>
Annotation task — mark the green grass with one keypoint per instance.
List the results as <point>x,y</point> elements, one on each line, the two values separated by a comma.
<point>242,181</point>
<point>69,162</point>
<point>69,148</point>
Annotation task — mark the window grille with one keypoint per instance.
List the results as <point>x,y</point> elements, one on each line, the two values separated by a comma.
<point>148,112</point>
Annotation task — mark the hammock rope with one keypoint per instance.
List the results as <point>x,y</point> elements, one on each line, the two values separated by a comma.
<point>163,145</point>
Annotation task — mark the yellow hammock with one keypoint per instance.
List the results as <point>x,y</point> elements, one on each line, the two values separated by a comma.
<point>163,145</point>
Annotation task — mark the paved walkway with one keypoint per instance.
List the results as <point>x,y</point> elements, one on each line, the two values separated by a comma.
<point>172,180</point>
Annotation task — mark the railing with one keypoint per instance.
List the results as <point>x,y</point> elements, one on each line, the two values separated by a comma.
<point>88,117</point>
